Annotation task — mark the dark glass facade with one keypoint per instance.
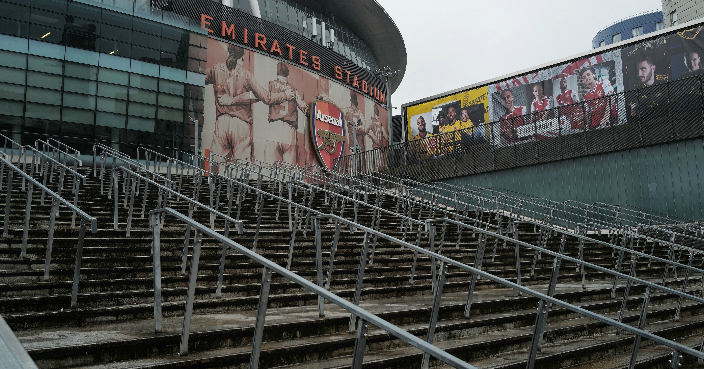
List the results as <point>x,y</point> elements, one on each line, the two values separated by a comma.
<point>87,73</point>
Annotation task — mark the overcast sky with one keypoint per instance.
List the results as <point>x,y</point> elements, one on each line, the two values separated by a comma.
<point>455,43</point>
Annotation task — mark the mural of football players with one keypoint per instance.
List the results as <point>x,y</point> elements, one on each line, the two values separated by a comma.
<point>283,119</point>
<point>236,90</point>
<point>422,130</point>
<point>541,105</point>
<point>693,62</point>
<point>355,122</point>
<point>648,97</point>
<point>376,130</point>
<point>511,119</point>
<point>565,100</point>
<point>600,103</point>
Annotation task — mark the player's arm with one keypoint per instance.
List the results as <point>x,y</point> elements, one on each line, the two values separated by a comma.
<point>261,92</point>
<point>302,105</point>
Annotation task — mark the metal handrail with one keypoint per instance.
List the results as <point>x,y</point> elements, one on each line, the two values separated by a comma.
<point>58,150</point>
<point>269,267</point>
<point>60,144</point>
<point>240,224</point>
<point>56,201</point>
<point>16,356</point>
<point>474,271</point>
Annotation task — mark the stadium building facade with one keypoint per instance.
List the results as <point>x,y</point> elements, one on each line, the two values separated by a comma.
<point>140,72</point>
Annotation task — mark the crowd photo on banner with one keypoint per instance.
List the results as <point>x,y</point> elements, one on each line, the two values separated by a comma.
<point>257,107</point>
<point>608,89</point>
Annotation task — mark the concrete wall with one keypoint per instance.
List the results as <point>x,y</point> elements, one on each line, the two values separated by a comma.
<point>665,179</point>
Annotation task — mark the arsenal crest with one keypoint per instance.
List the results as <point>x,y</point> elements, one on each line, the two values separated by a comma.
<point>328,132</point>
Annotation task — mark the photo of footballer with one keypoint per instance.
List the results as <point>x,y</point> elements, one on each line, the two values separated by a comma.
<point>512,103</point>
<point>569,111</point>
<point>597,90</point>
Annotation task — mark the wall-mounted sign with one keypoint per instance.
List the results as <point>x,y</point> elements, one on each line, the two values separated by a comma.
<point>328,129</point>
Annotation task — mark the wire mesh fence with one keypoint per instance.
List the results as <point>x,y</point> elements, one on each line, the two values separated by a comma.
<point>643,117</point>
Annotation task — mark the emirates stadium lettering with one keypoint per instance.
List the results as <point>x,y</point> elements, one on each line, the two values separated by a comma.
<point>299,56</point>
<point>328,119</point>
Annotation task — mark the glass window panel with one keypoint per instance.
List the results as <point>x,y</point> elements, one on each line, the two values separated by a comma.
<point>112,105</point>
<point>145,40</point>
<point>171,101</point>
<point>43,96</point>
<point>45,18</point>
<point>145,55</point>
<point>110,120</point>
<point>174,33</point>
<point>83,11</point>
<point>43,111</point>
<point>170,114</point>
<point>13,108</point>
<point>81,33</point>
<point>114,47</point>
<point>11,92</point>
<point>143,82</point>
<point>112,32</point>
<point>143,96</point>
<point>113,91</point>
<point>170,87</point>
<point>79,101</point>
<point>142,110</point>
<point>45,65</point>
<point>140,124</point>
<point>170,46</point>
<point>117,19</point>
<point>14,28</point>
<point>43,33</point>
<point>81,71</point>
<point>146,26</point>
<point>58,6</point>
<point>11,75</point>
<point>15,11</point>
<point>78,116</point>
<point>80,86</point>
<point>44,80</point>
<point>113,76</point>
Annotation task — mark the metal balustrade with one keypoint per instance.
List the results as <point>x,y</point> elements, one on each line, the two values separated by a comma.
<point>274,180</point>
<point>56,202</point>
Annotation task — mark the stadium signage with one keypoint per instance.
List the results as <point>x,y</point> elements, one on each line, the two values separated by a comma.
<point>329,133</point>
<point>271,45</point>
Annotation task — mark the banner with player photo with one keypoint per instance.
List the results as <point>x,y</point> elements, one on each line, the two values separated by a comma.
<point>450,121</point>
<point>548,103</point>
<point>257,107</point>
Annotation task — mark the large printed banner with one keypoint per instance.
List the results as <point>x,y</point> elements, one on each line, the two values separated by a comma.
<point>444,117</point>
<point>596,92</point>
<point>257,107</point>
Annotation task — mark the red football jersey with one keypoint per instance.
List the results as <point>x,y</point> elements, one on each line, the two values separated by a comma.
<point>565,98</point>
<point>597,104</point>
<point>542,105</point>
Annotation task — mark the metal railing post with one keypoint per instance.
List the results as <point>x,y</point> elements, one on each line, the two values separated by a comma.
<point>50,238</point>
<point>360,279</point>
<point>156,256</point>
<point>434,313</point>
<point>77,268</point>
<point>261,318</point>
<point>478,260</point>
<point>8,201</point>
<point>360,344</point>
<point>641,325</point>
<point>27,213</point>
<point>192,279</point>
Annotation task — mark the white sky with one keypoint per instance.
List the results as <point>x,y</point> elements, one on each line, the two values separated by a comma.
<point>455,43</point>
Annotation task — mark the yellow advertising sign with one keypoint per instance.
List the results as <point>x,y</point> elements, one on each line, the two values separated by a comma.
<point>459,111</point>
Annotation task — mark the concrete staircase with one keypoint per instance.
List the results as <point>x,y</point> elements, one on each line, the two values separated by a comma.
<point>113,326</point>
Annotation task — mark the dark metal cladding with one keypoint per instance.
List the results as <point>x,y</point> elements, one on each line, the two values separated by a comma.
<point>241,20</point>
